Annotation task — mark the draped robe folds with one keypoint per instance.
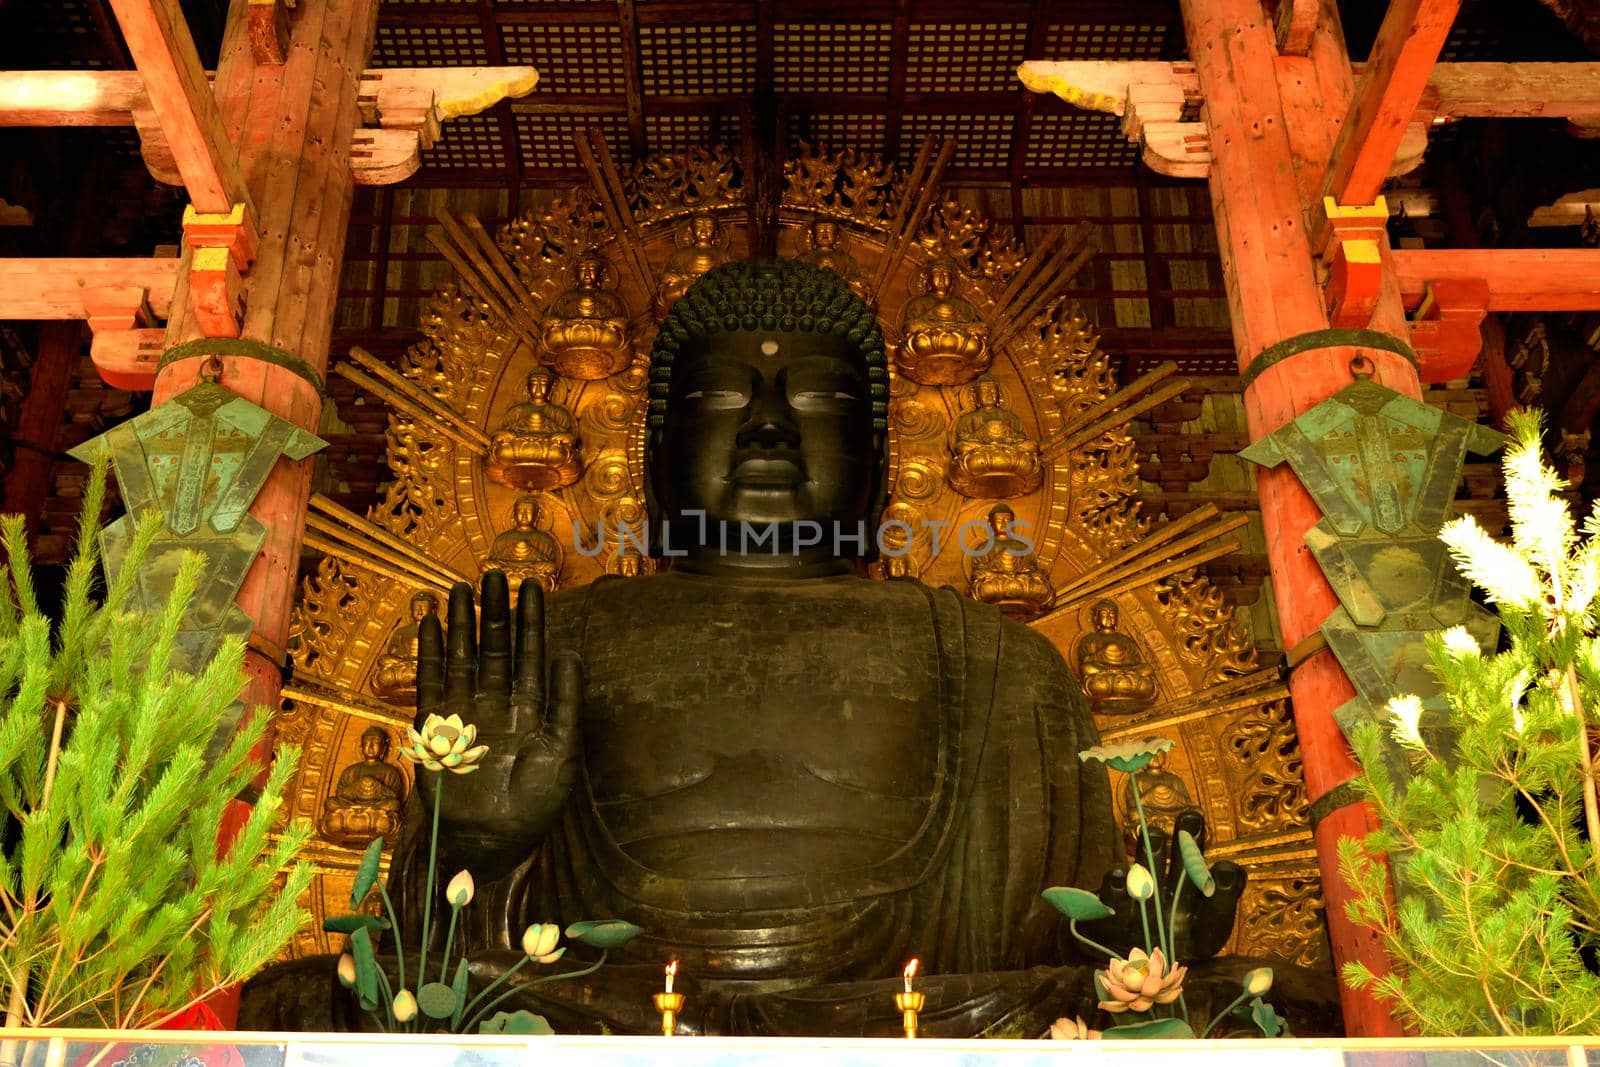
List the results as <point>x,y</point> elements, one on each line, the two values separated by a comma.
<point>1011,810</point>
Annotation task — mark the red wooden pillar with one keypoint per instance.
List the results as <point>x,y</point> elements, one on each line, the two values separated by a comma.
<point>291,125</point>
<point>1272,125</point>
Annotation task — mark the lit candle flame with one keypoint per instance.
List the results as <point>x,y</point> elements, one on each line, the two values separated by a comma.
<point>910,972</point>
<point>672,972</point>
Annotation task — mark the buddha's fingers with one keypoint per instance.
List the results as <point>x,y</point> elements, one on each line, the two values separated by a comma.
<point>494,640</point>
<point>528,689</point>
<point>461,664</point>
<point>430,668</point>
<point>566,698</point>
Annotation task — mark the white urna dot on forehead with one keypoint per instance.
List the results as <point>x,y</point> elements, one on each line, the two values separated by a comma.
<point>769,348</point>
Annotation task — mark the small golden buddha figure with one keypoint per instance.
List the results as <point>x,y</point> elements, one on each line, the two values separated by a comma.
<point>368,798</point>
<point>826,254</point>
<point>628,563</point>
<point>525,551</point>
<point>396,677</point>
<point>537,445</point>
<point>1164,797</point>
<point>584,331</point>
<point>944,341</point>
<point>1115,676</point>
<point>992,456</point>
<point>701,247</point>
<point>1007,575</point>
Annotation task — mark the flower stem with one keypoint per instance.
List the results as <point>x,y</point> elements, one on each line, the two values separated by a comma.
<point>538,981</point>
<point>394,927</point>
<point>1144,917</point>
<point>449,939</point>
<point>1172,919</point>
<point>492,986</point>
<point>427,896</point>
<point>1072,925</point>
<point>1150,854</point>
<point>1238,1000</point>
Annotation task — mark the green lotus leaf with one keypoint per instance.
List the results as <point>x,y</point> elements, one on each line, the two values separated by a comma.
<point>604,933</point>
<point>459,987</point>
<point>1150,1028</point>
<point>349,924</point>
<point>437,1000</point>
<point>1080,905</point>
<point>1194,864</point>
<point>366,965</point>
<point>1267,1019</point>
<point>515,1022</point>
<point>367,872</point>
<point>1128,756</point>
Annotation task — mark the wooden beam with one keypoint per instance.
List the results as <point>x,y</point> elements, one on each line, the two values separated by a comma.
<point>158,37</point>
<point>1519,279</point>
<point>1391,86</point>
<point>1516,90</point>
<point>70,97</point>
<point>1295,23</point>
<point>74,288</point>
<point>632,74</point>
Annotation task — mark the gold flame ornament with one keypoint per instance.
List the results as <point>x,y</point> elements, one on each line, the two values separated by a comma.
<point>909,1003</point>
<point>668,1003</point>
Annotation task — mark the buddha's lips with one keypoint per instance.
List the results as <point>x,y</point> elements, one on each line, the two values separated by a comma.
<point>767,469</point>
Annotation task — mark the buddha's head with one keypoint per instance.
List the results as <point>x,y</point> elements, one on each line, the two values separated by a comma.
<point>589,270</point>
<point>1105,615</point>
<point>703,229</point>
<point>423,605</point>
<point>525,513</point>
<point>1000,517</point>
<point>768,406</point>
<point>988,391</point>
<point>540,381</point>
<point>374,744</point>
<point>825,235</point>
<point>941,278</point>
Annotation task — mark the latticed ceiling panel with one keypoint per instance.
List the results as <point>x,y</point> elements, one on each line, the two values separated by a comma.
<point>1105,41</point>
<point>715,58</point>
<point>429,45</point>
<point>981,140</point>
<point>862,132</point>
<point>570,59</point>
<point>832,57</point>
<point>469,142</point>
<point>677,133</point>
<point>547,142</point>
<point>964,57</point>
<point>1078,139</point>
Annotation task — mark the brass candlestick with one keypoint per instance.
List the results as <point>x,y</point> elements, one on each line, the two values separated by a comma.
<point>909,1004</point>
<point>669,1005</point>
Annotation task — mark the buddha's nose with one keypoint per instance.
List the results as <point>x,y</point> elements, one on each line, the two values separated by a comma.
<point>769,424</point>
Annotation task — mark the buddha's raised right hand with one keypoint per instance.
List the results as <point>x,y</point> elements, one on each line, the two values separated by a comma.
<point>493,676</point>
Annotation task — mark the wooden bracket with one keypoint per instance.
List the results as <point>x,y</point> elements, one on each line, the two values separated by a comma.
<point>1353,256</point>
<point>223,247</point>
<point>1296,23</point>
<point>1446,332</point>
<point>127,359</point>
<point>269,32</point>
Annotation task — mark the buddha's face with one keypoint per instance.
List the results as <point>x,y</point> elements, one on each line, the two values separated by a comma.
<point>1105,616</point>
<point>524,513</point>
<point>374,746</point>
<point>767,427</point>
<point>703,229</point>
<point>423,605</point>
<point>538,387</point>
<point>988,393</point>
<point>825,235</point>
<point>940,279</point>
<point>1000,521</point>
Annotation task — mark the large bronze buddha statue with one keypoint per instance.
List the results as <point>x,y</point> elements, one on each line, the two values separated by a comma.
<point>794,778</point>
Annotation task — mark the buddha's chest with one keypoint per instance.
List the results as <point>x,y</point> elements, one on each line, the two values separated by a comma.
<point>774,703</point>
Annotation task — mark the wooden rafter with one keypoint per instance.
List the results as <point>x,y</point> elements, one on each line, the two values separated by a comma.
<point>1518,279</point>
<point>1387,95</point>
<point>185,109</point>
<point>68,288</point>
<point>632,74</point>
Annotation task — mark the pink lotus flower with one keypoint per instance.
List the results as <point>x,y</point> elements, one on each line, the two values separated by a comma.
<point>1138,982</point>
